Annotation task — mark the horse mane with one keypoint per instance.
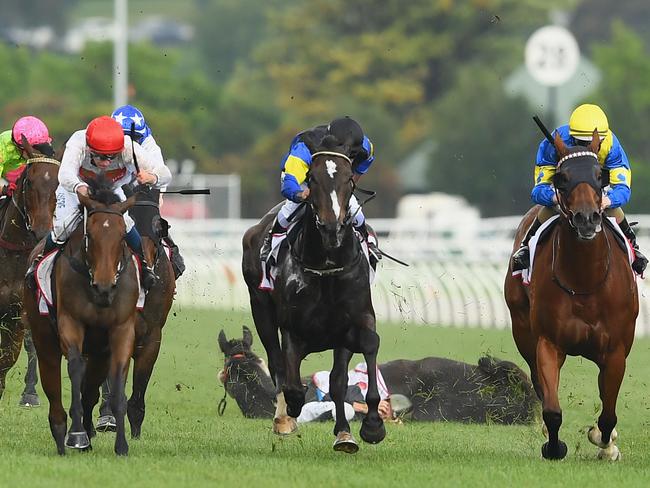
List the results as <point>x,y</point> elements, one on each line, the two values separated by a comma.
<point>101,190</point>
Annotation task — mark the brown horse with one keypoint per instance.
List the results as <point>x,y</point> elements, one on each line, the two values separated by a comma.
<point>582,299</point>
<point>151,320</point>
<point>96,290</point>
<point>25,218</point>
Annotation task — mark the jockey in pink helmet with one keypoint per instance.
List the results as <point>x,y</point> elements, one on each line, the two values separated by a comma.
<point>12,155</point>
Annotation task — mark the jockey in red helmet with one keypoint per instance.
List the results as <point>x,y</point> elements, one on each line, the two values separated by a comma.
<point>102,149</point>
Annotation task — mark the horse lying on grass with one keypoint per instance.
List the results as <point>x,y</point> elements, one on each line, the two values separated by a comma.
<point>437,389</point>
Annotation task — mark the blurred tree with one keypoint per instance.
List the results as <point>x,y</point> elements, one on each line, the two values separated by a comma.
<point>33,13</point>
<point>626,100</point>
<point>489,147</point>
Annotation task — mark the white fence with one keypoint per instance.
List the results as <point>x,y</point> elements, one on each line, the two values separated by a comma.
<point>453,280</point>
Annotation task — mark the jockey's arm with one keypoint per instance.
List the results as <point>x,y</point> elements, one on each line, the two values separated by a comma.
<point>152,170</point>
<point>620,175</point>
<point>71,162</point>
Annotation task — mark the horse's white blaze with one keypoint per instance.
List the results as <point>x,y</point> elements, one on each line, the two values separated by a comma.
<point>331,168</point>
<point>335,204</point>
<point>106,224</point>
<point>47,176</point>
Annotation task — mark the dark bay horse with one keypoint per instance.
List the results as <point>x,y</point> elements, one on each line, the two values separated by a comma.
<point>25,218</point>
<point>96,291</point>
<point>321,300</point>
<point>151,319</point>
<point>582,299</point>
<point>438,389</point>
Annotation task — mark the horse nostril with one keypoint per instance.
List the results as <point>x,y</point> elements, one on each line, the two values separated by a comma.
<point>579,219</point>
<point>595,218</point>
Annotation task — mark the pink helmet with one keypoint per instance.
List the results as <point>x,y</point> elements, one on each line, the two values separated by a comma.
<point>34,130</point>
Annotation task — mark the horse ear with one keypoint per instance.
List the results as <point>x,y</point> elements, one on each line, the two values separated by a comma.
<point>58,155</point>
<point>594,146</point>
<point>248,337</point>
<point>560,147</point>
<point>125,205</point>
<point>26,146</point>
<point>223,342</point>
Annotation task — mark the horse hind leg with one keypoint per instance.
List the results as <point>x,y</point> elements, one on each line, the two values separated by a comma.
<point>338,385</point>
<point>604,434</point>
<point>29,397</point>
<point>11,338</point>
<point>373,430</point>
<point>549,362</point>
<point>142,369</point>
<point>96,371</point>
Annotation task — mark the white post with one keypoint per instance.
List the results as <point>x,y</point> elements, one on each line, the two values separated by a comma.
<point>120,54</point>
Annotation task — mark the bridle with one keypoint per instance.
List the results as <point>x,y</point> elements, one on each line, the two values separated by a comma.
<point>86,242</point>
<point>20,203</point>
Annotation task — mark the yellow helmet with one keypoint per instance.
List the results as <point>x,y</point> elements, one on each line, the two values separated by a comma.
<point>585,119</point>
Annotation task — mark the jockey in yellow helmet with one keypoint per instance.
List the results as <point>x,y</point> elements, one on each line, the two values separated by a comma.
<point>612,158</point>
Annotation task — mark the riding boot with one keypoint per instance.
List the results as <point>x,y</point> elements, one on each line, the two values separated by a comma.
<point>640,261</point>
<point>371,240</point>
<point>265,250</point>
<point>147,277</point>
<point>521,257</point>
<point>178,263</point>
<point>49,246</point>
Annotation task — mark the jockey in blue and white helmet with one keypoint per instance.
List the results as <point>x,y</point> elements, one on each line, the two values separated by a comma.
<point>130,117</point>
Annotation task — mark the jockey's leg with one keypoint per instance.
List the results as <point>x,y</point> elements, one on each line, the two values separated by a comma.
<point>640,261</point>
<point>521,257</point>
<point>359,223</point>
<point>134,241</point>
<point>178,263</point>
<point>280,225</point>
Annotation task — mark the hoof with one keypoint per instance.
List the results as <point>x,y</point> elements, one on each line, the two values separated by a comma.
<point>372,434</point>
<point>29,400</point>
<point>345,443</point>
<point>77,440</point>
<point>595,437</point>
<point>610,454</point>
<point>106,423</point>
<point>284,425</point>
<point>555,454</point>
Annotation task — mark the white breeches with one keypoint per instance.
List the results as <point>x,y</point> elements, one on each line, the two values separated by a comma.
<point>290,206</point>
<point>67,214</point>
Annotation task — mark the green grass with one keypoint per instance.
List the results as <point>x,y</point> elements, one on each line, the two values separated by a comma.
<point>185,442</point>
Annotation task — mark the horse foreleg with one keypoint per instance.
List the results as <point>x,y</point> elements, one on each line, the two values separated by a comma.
<point>549,362</point>
<point>77,436</point>
<point>49,363</point>
<point>142,369</point>
<point>373,430</point>
<point>294,392</point>
<point>30,397</point>
<point>338,387</point>
<point>121,339</point>
<point>96,371</point>
<point>11,339</point>
<point>609,383</point>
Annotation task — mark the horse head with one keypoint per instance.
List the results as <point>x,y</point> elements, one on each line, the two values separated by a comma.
<point>103,247</point>
<point>330,188</point>
<point>35,188</point>
<point>146,215</point>
<point>578,185</point>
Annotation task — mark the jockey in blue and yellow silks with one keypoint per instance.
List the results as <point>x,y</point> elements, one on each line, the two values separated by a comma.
<point>295,165</point>
<point>612,158</point>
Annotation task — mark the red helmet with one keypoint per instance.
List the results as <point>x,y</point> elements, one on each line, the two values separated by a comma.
<point>104,135</point>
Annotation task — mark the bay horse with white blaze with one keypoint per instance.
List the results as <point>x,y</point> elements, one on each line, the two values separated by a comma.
<point>96,291</point>
<point>321,299</point>
<point>25,218</point>
<point>582,299</point>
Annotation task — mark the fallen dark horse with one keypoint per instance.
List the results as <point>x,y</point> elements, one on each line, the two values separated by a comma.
<point>439,389</point>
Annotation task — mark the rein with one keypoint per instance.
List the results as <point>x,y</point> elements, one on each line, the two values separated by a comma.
<point>564,287</point>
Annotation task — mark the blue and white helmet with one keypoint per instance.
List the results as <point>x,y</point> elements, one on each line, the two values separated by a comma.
<point>126,115</point>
